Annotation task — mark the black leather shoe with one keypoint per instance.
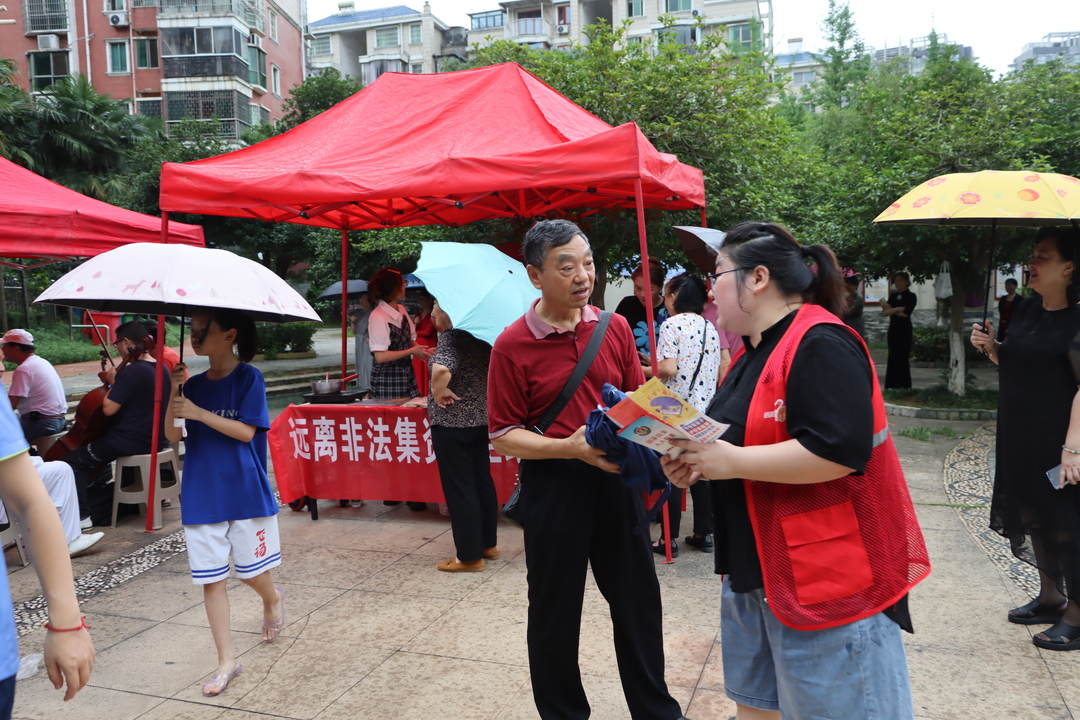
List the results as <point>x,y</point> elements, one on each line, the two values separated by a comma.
<point>417,506</point>
<point>659,548</point>
<point>704,544</point>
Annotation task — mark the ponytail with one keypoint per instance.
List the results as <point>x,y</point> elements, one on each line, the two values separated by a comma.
<point>752,244</point>
<point>247,337</point>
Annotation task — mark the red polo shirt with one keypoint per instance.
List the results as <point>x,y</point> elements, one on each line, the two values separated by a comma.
<point>531,361</point>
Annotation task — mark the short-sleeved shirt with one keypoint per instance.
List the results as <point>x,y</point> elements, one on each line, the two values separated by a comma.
<point>467,358</point>
<point>688,338</point>
<point>634,311</point>
<point>379,322</point>
<point>130,428</point>
<point>225,478</point>
<point>829,412</point>
<point>532,360</point>
<point>36,382</point>
<point>12,443</point>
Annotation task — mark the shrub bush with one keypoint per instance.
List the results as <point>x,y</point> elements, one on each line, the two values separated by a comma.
<point>931,344</point>
<point>53,344</point>
<point>290,337</point>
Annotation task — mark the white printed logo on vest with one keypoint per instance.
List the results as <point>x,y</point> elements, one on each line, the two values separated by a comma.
<point>779,413</point>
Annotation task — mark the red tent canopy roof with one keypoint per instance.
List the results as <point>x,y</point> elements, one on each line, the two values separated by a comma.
<point>447,148</point>
<point>44,220</point>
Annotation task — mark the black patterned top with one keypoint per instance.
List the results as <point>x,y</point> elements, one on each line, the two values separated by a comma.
<point>468,359</point>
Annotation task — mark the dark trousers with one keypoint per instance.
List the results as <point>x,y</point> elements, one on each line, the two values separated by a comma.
<point>87,463</point>
<point>703,522</point>
<point>465,471</point>
<point>42,426</point>
<point>7,697</point>
<point>575,515</point>
<point>900,337</point>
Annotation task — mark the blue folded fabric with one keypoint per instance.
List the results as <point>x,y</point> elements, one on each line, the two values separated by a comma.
<point>639,466</point>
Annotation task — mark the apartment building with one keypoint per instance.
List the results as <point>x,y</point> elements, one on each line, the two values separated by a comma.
<point>1054,46</point>
<point>367,43</point>
<point>555,24</point>
<point>229,62</point>
<point>797,68</point>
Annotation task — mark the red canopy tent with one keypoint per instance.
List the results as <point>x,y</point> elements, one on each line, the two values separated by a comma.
<point>450,148</point>
<point>48,221</point>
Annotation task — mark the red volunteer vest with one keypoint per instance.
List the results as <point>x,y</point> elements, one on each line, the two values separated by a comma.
<point>838,551</point>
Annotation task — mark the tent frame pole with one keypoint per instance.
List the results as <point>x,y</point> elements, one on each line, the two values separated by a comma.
<point>344,303</point>
<point>650,320</point>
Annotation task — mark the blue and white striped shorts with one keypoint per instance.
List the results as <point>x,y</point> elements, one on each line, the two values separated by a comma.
<point>253,545</point>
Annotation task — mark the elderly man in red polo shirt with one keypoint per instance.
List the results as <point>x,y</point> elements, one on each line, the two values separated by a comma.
<point>575,509</point>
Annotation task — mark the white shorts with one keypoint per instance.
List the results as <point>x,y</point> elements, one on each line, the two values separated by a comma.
<point>253,544</point>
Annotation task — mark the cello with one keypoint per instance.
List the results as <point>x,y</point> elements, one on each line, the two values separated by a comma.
<point>90,421</point>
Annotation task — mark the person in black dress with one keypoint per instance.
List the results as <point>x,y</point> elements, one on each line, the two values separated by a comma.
<point>898,308</point>
<point>1038,429</point>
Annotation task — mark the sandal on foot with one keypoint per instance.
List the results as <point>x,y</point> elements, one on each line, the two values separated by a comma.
<point>273,628</point>
<point>1035,613</point>
<point>1062,636</point>
<point>455,565</point>
<point>217,683</point>
<point>491,553</point>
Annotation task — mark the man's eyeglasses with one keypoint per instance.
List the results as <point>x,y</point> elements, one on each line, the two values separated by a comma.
<point>713,277</point>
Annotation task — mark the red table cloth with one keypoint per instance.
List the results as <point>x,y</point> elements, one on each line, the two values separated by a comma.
<point>340,452</point>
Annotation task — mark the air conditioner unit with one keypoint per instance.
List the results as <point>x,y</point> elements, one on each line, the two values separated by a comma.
<point>563,29</point>
<point>48,42</point>
<point>255,40</point>
<point>118,19</point>
<point>696,13</point>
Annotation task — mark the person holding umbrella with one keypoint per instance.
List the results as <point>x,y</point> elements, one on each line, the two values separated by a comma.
<point>227,508</point>
<point>1039,429</point>
<point>816,534</point>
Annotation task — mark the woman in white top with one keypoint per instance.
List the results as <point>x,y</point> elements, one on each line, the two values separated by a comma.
<point>392,339</point>
<point>688,349</point>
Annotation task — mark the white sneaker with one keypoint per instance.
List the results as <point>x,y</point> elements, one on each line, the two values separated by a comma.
<point>86,524</point>
<point>83,543</point>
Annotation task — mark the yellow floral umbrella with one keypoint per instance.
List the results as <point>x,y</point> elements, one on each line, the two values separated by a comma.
<point>989,197</point>
<point>1015,198</point>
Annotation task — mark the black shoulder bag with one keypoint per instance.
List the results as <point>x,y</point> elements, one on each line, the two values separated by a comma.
<point>512,508</point>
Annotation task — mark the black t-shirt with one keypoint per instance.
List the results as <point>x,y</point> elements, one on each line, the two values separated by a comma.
<point>133,389</point>
<point>634,311</point>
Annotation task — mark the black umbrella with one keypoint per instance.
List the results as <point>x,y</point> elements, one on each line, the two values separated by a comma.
<point>700,245</point>
<point>356,289</point>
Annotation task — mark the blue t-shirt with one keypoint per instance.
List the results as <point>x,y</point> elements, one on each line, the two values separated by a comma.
<point>225,479</point>
<point>12,443</point>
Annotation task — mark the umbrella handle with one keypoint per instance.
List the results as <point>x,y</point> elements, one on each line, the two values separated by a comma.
<point>179,422</point>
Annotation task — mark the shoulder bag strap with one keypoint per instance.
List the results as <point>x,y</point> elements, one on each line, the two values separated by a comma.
<point>704,339</point>
<point>577,376</point>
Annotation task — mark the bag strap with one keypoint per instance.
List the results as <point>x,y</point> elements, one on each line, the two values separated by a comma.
<point>576,376</point>
<point>704,331</point>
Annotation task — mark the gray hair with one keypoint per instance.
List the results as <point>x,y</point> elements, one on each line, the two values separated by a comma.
<point>545,235</point>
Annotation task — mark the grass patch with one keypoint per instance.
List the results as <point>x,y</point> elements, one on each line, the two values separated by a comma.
<point>916,433</point>
<point>938,396</point>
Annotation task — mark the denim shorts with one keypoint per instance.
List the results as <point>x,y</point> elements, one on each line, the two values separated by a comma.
<point>856,670</point>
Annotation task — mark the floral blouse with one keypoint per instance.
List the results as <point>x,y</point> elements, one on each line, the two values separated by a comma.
<point>684,337</point>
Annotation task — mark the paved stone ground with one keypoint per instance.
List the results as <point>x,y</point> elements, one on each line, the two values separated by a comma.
<point>374,631</point>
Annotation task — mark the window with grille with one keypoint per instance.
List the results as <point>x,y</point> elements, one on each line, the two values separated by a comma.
<point>321,46</point>
<point>495,18</point>
<point>231,109</point>
<point>146,53</point>
<point>386,37</point>
<point>148,108</point>
<point>118,56</point>
<point>45,15</point>
<point>273,26</point>
<point>47,68</point>
<point>416,34</point>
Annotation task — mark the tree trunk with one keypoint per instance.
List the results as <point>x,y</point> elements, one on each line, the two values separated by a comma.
<point>25,299</point>
<point>957,337</point>
<point>3,301</point>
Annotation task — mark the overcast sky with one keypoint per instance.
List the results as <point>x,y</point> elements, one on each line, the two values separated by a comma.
<point>995,29</point>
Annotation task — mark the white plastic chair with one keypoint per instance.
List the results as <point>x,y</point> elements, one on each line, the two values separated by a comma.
<point>11,535</point>
<point>137,491</point>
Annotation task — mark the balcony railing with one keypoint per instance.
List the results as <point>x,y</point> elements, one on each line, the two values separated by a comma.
<point>45,16</point>
<point>205,66</point>
<point>250,10</point>
<point>528,26</point>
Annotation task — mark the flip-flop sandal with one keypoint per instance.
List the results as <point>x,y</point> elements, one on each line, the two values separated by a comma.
<point>274,627</point>
<point>217,683</point>
<point>1035,613</point>
<point>1062,636</point>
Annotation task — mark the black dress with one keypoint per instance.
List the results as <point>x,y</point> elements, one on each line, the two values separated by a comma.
<point>1037,390</point>
<point>898,371</point>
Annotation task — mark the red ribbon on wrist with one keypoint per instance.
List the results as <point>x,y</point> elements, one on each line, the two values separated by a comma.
<point>82,626</point>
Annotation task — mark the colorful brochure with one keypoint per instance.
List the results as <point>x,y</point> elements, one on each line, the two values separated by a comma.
<point>653,416</point>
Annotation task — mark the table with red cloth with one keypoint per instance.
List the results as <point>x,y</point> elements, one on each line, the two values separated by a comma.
<point>374,452</point>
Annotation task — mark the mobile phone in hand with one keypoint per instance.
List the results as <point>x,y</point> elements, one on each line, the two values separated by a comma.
<point>1054,476</point>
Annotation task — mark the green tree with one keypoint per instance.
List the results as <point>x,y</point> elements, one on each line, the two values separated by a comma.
<point>317,94</point>
<point>845,64</point>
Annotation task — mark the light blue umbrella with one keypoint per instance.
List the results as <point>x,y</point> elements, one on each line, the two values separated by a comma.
<point>481,289</point>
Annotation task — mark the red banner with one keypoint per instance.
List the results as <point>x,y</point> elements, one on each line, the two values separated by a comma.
<point>343,452</point>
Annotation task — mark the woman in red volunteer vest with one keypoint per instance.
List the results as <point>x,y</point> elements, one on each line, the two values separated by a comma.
<point>815,532</point>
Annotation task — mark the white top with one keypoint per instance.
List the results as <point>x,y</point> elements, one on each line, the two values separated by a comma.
<point>36,382</point>
<point>680,338</point>
<point>379,322</point>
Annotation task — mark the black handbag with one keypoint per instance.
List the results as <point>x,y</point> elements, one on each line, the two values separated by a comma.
<point>512,508</point>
